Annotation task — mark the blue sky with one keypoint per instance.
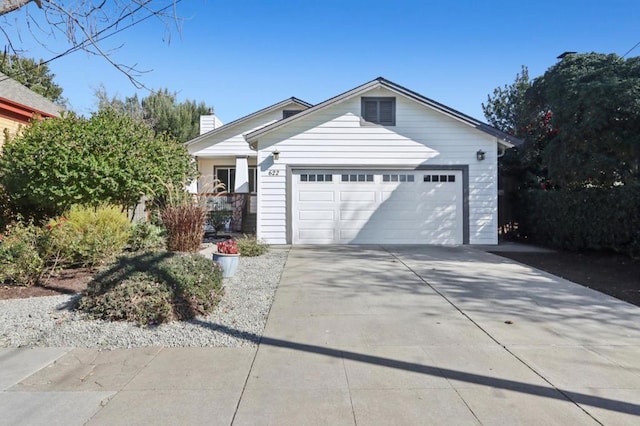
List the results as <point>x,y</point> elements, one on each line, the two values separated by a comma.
<point>240,56</point>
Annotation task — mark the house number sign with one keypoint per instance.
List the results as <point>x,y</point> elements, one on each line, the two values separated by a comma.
<point>274,172</point>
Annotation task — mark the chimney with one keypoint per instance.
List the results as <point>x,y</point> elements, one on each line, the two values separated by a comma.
<point>209,122</point>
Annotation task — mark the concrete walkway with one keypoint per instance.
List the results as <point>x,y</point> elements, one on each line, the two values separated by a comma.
<point>366,335</point>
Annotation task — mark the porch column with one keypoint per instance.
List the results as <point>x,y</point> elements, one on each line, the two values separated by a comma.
<point>241,189</point>
<point>242,175</point>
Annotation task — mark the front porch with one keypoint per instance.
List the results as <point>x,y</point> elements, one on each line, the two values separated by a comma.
<point>229,187</point>
<point>231,212</point>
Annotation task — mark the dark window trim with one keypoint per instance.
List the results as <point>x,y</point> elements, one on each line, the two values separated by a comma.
<point>378,99</point>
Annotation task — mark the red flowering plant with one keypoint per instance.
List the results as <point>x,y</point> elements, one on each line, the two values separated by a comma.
<point>227,247</point>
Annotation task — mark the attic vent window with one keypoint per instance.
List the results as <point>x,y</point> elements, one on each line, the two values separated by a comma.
<point>289,112</point>
<point>379,110</point>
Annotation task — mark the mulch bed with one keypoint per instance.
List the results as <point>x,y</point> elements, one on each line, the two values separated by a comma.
<point>609,273</point>
<point>68,281</point>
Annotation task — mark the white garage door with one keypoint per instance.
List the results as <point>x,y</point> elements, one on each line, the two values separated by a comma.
<point>371,207</point>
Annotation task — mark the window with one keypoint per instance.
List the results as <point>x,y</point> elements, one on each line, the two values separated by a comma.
<point>439,178</point>
<point>379,111</point>
<point>227,175</point>
<point>362,177</point>
<point>398,178</point>
<point>315,178</point>
<point>289,112</point>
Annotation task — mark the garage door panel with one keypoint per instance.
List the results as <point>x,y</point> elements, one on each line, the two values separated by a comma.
<point>351,196</point>
<point>317,234</point>
<point>375,211</point>
<point>316,196</point>
<point>316,215</point>
<point>346,215</point>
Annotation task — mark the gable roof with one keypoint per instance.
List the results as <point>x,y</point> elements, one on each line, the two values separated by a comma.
<point>503,138</point>
<point>16,93</point>
<point>239,121</point>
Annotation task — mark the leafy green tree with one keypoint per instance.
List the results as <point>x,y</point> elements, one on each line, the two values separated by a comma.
<point>505,108</point>
<point>586,111</point>
<point>161,111</point>
<point>580,122</point>
<point>107,158</point>
<point>32,74</point>
<point>129,106</point>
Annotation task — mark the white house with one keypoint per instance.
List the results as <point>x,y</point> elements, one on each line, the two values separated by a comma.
<point>377,164</point>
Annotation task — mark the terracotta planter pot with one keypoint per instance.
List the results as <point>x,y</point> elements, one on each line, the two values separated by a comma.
<point>228,262</point>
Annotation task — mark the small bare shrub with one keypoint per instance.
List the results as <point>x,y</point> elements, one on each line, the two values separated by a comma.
<point>184,216</point>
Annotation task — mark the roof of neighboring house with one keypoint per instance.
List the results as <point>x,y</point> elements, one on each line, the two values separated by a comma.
<point>246,118</point>
<point>503,138</point>
<point>16,93</point>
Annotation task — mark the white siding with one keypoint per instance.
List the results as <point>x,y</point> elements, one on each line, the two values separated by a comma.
<point>231,142</point>
<point>335,136</point>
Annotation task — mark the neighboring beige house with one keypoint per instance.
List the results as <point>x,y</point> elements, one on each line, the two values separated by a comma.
<point>19,105</point>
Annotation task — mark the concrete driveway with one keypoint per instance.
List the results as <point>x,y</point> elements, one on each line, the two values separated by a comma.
<point>439,335</point>
<point>373,335</point>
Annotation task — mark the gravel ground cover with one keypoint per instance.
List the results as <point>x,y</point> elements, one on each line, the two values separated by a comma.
<point>238,321</point>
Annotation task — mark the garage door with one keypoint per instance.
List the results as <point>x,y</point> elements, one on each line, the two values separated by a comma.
<point>372,207</point>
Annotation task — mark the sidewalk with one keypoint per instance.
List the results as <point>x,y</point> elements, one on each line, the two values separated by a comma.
<point>366,335</point>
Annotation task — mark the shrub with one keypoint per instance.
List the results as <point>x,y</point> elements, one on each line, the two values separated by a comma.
<point>146,236</point>
<point>250,246</point>
<point>6,215</point>
<point>20,259</point>
<point>185,227</point>
<point>153,288</point>
<point>183,216</point>
<point>588,219</point>
<point>217,218</point>
<point>88,236</point>
<point>107,158</point>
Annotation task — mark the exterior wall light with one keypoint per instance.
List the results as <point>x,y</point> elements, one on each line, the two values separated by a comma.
<point>276,154</point>
<point>480,155</point>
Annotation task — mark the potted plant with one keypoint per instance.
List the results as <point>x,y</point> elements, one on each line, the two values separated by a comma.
<point>227,256</point>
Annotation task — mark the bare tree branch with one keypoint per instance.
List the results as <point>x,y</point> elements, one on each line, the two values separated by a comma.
<point>85,24</point>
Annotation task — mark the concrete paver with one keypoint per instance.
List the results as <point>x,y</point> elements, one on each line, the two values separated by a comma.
<point>285,368</point>
<point>369,335</point>
<point>481,366</point>
<point>595,371</point>
<point>364,374</point>
<point>496,406</point>
<point>294,407</point>
<point>19,363</point>
<point>85,369</point>
<point>168,407</point>
<point>50,408</point>
<point>611,406</point>
<point>411,407</point>
<point>196,368</point>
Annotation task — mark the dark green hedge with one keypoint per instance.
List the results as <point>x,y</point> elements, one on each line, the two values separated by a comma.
<point>589,219</point>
